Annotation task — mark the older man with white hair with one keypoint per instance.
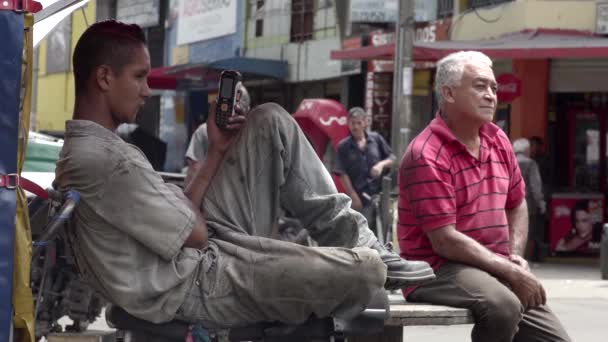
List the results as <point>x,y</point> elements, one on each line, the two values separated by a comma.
<point>462,209</point>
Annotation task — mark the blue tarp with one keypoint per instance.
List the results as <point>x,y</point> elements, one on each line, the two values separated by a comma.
<point>254,66</point>
<point>11,31</point>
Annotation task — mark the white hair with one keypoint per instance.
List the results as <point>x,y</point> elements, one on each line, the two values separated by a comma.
<point>521,145</point>
<point>245,101</point>
<point>451,67</point>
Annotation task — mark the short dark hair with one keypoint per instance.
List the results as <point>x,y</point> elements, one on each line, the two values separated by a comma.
<point>580,205</point>
<point>107,42</point>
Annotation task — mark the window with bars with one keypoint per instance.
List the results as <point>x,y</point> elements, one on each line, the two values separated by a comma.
<point>482,3</point>
<point>259,22</point>
<point>445,9</point>
<point>302,20</point>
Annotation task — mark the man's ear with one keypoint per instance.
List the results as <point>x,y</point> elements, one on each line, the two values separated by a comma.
<point>447,93</point>
<point>103,77</point>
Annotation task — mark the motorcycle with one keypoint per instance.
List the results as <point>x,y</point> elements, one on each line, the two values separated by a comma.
<point>57,288</point>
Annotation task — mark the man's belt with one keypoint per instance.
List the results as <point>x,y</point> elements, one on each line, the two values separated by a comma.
<point>13,181</point>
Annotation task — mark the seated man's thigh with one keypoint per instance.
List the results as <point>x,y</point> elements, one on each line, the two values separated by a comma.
<point>464,286</point>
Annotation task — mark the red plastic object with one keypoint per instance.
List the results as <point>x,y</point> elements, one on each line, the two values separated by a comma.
<point>20,6</point>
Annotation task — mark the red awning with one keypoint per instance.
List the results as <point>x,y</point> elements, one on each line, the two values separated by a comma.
<point>205,75</point>
<point>169,77</point>
<point>527,44</point>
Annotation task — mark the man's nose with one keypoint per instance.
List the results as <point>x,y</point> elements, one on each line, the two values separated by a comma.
<point>145,92</point>
<point>490,95</point>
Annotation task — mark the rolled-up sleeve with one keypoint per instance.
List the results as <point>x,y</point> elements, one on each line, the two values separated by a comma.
<point>387,152</point>
<point>138,202</point>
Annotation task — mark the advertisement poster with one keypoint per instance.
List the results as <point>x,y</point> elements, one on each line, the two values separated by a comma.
<point>576,223</point>
<point>205,19</point>
<point>144,13</point>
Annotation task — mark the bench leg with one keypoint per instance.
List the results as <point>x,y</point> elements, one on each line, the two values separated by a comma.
<point>391,334</point>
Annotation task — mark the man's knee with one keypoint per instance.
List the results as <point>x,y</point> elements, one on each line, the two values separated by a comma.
<point>501,308</point>
<point>369,267</point>
<point>267,113</point>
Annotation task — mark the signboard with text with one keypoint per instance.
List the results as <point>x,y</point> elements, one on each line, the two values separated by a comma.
<point>374,11</point>
<point>509,87</point>
<point>205,19</point>
<point>144,13</point>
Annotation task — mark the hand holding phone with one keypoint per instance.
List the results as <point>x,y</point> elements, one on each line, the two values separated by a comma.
<point>226,97</point>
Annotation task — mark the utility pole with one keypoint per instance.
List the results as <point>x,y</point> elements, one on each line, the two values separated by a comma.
<point>403,126</point>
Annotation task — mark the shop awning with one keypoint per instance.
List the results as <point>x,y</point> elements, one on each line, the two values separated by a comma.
<point>51,15</point>
<point>207,74</point>
<point>527,44</point>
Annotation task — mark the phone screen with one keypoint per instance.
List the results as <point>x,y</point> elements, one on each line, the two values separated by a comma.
<point>226,90</point>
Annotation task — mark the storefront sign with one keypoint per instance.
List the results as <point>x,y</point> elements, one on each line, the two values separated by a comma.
<point>509,87</point>
<point>374,11</point>
<point>205,19</point>
<point>433,31</point>
<point>378,38</point>
<point>144,13</point>
<point>378,104</point>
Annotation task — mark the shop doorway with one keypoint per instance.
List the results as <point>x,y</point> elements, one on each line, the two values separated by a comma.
<point>577,208</point>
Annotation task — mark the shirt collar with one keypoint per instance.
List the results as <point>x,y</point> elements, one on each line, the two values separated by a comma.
<point>488,131</point>
<point>79,128</point>
<point>354,143</point>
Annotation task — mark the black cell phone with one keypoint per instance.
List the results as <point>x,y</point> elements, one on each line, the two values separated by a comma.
<point>226,97</point>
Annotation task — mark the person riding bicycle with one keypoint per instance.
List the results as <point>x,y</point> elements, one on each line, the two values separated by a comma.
<point>363,157</point>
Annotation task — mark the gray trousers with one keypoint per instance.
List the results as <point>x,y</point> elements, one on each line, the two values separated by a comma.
<point>247,277</point>
<point>499,315</point>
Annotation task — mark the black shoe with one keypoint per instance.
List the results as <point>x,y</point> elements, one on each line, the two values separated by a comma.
<point>402,273</point>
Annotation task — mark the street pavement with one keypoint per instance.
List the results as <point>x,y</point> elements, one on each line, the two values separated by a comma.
<point>575,293</point>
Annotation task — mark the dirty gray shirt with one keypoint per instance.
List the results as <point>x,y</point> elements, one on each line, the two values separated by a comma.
<point>199,144</point>
<point>130,225</point>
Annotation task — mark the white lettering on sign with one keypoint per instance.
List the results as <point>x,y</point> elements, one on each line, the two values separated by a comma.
<point>426,34</point>
<point>198,6</point>
<point>383,38</point>
<point>561,211</point>
<point>205,19</point>
<point>340,121</point>
<point>508,88</point>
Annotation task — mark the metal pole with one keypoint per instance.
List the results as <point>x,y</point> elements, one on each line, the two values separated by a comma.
<point>403,126</point>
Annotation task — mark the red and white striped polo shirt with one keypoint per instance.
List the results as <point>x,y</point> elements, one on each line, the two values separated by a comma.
<point>441,183</point>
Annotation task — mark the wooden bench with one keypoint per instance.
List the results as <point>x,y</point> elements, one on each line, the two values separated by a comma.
<point>409,314</point>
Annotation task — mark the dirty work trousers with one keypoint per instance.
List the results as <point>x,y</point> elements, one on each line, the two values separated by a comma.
<point>247,277</point>
<point>499,315</point>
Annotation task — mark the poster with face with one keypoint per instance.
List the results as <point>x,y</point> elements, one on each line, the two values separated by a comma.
<point>575,224</point>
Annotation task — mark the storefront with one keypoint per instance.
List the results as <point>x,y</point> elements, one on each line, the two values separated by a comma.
<point>379,55</point>
<point>577,137</point>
